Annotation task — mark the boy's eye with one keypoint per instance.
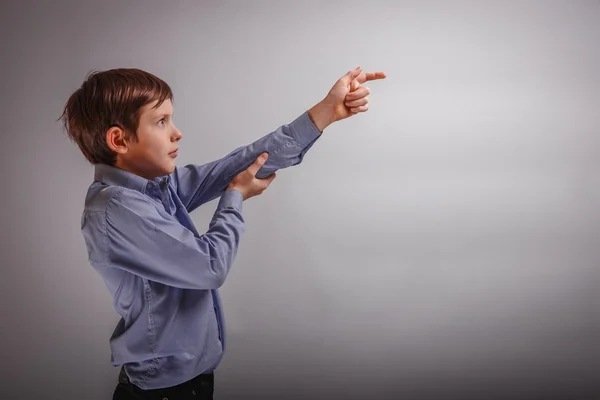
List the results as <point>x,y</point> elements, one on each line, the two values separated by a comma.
<point>161,122</point>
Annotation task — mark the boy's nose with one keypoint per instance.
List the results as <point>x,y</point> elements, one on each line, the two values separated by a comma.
<point>177,135</point>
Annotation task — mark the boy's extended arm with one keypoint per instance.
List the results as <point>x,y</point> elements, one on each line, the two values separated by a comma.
<point>197,184</point>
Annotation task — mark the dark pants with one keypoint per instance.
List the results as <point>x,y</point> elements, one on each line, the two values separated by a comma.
<point>198,388</point>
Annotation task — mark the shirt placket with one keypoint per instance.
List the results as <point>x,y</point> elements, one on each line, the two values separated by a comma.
<point>164,195</point>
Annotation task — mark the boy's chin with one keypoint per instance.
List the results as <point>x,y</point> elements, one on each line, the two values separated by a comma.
<point>168,168</point>
<point>163,170</point>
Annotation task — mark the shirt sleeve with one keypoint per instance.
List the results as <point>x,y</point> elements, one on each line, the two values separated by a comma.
<point>157,247</point>
<point>287,145</point>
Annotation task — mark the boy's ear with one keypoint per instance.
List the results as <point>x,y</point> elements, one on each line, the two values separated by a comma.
<point>115,139</point>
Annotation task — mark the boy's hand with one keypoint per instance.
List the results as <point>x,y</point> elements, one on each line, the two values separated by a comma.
<point>346,98</point>
<point>246,181</point>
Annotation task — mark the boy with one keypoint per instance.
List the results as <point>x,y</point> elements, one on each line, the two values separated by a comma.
<point>162,274</point>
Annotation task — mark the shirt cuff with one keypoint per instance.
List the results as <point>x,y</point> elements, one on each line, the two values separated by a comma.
<point>232,198</point>
<point>303,130</point>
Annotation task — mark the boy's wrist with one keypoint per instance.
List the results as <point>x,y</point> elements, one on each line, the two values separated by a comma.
<point>321,116</point>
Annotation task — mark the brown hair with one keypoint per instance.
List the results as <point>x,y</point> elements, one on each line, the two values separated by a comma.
<point>106,99</point>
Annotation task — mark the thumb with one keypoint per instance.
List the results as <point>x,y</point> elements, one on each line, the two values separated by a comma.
<point>351,75</point>
<point>259,162</point>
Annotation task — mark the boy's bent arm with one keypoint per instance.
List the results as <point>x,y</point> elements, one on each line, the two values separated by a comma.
<point>158,248</point>
<point>287,145</point>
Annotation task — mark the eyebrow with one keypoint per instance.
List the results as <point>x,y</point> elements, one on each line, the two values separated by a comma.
<point>161,116</point>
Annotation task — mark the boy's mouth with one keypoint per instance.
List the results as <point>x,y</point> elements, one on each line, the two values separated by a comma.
<point>174,153</point>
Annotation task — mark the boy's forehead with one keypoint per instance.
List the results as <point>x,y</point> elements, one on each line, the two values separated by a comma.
<point>165,108</point>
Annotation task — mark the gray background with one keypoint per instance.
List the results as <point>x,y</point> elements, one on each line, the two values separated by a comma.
<point>444,245</point>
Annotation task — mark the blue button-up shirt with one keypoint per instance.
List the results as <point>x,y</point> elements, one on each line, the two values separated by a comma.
<point>164,275</point>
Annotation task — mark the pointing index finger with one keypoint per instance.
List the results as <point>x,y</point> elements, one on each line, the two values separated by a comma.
<point>370,76</point>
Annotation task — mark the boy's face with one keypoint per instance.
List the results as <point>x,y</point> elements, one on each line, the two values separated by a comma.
<point>154,152</point>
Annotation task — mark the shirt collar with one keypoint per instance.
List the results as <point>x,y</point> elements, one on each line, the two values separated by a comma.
<point>119,177</point>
